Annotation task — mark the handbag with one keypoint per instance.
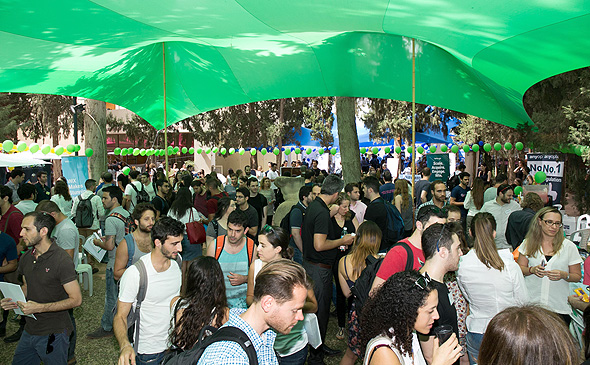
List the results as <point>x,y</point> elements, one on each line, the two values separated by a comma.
<point>195,231</point>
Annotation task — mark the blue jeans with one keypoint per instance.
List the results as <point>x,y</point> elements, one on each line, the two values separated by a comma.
<point>473,344</point>
<point>31,349</point>
<point>110,301</point>
<point>297,254</point>
<point>149,359</point>
<point>297,358</point>
<point>72,346</point>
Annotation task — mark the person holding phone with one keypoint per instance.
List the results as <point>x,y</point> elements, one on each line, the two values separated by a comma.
<point>549,262</point>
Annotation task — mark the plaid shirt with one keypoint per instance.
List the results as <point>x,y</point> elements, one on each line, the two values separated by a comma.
<point>230,353</point>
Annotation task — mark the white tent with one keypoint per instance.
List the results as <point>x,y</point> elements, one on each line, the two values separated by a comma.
<point>16,159</point>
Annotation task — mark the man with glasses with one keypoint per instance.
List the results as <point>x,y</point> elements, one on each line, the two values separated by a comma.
<point>51,288</point>
<point>501,208</point>
<point>160,202</point>
<point>442,251</point>
<point>242,197</point>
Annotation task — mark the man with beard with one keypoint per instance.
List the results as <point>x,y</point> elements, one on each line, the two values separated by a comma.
<point>162,276</point>
<point>501,208</point>
<point>51,288</point>
<point>279,296</point>
<point>137,244</point>
<point>438,189</point>
<point>113,234</point>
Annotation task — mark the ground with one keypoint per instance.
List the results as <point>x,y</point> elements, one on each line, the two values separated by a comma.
<point>106,350</point>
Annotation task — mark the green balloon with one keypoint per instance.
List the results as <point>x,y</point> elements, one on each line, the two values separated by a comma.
<point>184,150</point>
<point>21,146</point>
<point>253,151</point>
<point>142,152</point>
<point>578,150</point>
<point>398,150</point>
<point>432,149</point>
<point>117,151</point>
<point>59,150</point>
<point>215,149</point>
<point>475,147</point>
<point>540,177</point>
<point>444,148</point>
<point>70,148</point>
<point>208,151</point>
<point>223,150</point>
<point>455,149</point>
<point>387,149</point>
<point>126,170</point>
<point>136,152</point>
<point>308,150</point>
<point>363,150</point>
<point>334,151</point>
<point>124,152</point>
<point>518,190</point>
<point>507,146</point>
<point>242,151</point>
<point>176,150</point>
<point>276,151</point>
<point>78,147</point>
<point>148,152</point>
<point>497,146</point>
<point>409,149</point>
<point>232,151</point>
<point>487,147</point>
<point>287,151</point>
<point>191,150</point>
<point>420,149</point>
<point>297,151</point>
<point>519,146</point>
<point>7,145</point>
<point>89,152</point>
<point>263,151</point>
<point>34,147</point>
<point>466,148</point>
<point>375,150</point>
<point>45,149</point>
<point>321,151</point>
<point>200,150</point>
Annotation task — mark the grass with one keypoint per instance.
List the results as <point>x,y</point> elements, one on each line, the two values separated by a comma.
<point>106,350</point>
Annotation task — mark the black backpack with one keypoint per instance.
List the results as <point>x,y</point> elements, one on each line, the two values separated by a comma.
<point>395,223</point>
<point>142,195</point>
<point>84,215</point>
<point>286,221</point>
<point>228,333</point>
<point>362,285</point>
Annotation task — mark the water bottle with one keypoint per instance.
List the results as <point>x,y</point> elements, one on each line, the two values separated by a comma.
<point>344,233</point>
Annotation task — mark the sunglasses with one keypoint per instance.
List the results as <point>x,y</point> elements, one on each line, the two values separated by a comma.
<point>423,281</point>
<point>268,229</point>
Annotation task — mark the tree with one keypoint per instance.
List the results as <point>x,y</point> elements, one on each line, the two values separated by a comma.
<point>95,135</point>
<point>15,110</point>
<point>50,116</point>
<point>349,141</point>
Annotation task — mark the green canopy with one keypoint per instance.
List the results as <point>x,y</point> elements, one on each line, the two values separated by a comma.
<point>477,57</point>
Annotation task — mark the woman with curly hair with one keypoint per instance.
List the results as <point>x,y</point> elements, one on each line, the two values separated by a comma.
<point>204,303</point>
<point>405,304</point>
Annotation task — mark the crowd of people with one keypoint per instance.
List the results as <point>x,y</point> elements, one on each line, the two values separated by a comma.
<point>462,273</point>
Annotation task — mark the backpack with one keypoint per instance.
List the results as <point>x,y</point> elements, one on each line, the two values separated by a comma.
<point>227,333</point>
<point>84,215</point>
<point>286,221</point>
<point>395,223</point>
<point>129,223</point>
<point>141,195</point>
<point>362,285</point>
<point>221,243</point>
<point>130,248</point>
<point>452,182</point>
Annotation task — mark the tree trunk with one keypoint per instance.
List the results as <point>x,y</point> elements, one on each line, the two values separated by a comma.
<point>282,124</point>
<point>55,164</point>
<point>95,135</point>
<point>349,141</point>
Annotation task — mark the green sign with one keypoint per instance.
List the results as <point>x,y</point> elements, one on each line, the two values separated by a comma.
<point>439,166</point>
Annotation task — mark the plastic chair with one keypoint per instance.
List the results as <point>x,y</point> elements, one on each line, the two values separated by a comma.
<point>558,206</point>
<point>82,269</point>
<point>82,257</point>
<point>581,238</point>
<point>583,222</point>
<point>577,326</point>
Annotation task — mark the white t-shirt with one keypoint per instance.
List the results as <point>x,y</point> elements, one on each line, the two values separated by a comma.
<point>149,188</point>
<point>186,218</point>
<point>552,294</point>
<point>416,359</point>
<point>155,308</point>
<point>64,205</point>
<point>129,191</point>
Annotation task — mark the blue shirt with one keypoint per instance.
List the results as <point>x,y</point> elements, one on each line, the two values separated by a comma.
<point>237,264</point>
<point>386,191</point>
<point>231,353</point>
<point>7,250</point>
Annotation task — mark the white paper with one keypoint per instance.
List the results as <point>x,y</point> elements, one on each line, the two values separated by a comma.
<point>14,292</point>
<point>312,327</point>
<point>96,252</point>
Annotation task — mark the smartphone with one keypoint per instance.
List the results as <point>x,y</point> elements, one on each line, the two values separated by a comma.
<point>582,293</point>
<point>543,262</point>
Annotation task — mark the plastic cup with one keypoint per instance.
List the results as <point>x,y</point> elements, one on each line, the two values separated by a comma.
<point>443,333</point>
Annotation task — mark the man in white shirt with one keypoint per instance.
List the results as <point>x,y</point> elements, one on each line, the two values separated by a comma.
<point>357,206</point>
<point>163,284</point>
<point>97,208</point>
<point>501,208</point>
<point>27,194</point>
<point>148,185</point>
<point>130,195</point>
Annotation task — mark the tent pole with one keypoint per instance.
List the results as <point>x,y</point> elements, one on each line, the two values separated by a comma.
<point>413,121</point>
<point>165,120</point>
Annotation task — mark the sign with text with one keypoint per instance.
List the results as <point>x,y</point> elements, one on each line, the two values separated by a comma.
<point>438,163</point>
<point>551,164</point>
<point>75,170</point>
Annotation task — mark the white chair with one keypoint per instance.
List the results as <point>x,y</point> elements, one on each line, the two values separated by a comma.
<point>558,206</point>
<point>581,238</point>
<point>583,222</point>
<point>85,268</point>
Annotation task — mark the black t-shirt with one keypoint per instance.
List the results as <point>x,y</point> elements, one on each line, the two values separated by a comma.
<point>252,220</point>
<point>376,212</point>
<point>317,220</point>
<point>459,194</point>
<point>446,310</point>
<point>336,232</point>
<point>422,185</point>
<point>258,202</point>
<point>161,205</point>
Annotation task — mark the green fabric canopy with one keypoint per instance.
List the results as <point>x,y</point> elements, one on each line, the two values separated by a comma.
<point>477,57</point>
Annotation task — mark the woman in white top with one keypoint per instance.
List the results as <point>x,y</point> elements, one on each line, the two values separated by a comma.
<point>549,262</point>
<point>473,202</point>
<point>489,279</point>
<point>182,210</point>
<point>405,304</point>
<point>62,197</point>
<point>273,244</point>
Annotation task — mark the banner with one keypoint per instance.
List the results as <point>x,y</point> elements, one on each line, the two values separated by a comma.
<point>438,163</point>
<point>75,170</point>
<point>552,165</point>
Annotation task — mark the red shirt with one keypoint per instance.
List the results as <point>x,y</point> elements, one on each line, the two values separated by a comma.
<point>396,258</point>
<point>11,222</point>
<point>212,202</point>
